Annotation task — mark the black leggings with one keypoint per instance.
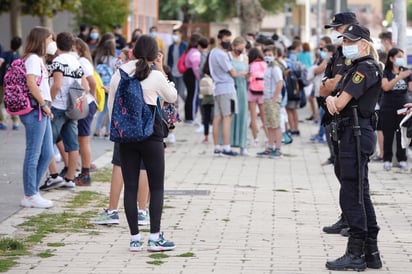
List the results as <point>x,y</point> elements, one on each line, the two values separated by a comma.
<point>152,154</point>
<point>390,121</point>
<point>191,98</point>
<point>207,118</point>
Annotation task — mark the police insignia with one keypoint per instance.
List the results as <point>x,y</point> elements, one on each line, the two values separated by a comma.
<point>358,77</point>
<point>348,61</point>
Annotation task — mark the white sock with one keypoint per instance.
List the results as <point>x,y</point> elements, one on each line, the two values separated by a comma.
<point>154,236</point>
<point>227,148</point>
<point>218,147</point>
<point>111,211</point>
<point>136,237</point>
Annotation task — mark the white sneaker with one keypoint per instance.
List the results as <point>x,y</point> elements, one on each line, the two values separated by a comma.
<point>403,165</point>
<point>171,138</point>
<point>244,152</point>
<point>200,129</point>
<point>387,166</point>
<point>70,184</point>
<point>36,201</point>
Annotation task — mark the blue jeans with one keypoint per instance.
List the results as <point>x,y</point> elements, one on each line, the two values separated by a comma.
<point>39,150</point>
<point>102,115</point>
<point>64,129</point>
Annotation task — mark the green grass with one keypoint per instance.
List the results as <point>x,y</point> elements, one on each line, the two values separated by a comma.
<point>45,254</point>
<point>6,264</point>
<point>156,262</point>
<point>39,226</point>
<point>159,256</point>
<point>102,175</point>
<point>55,244</point>
<point>187,254</point>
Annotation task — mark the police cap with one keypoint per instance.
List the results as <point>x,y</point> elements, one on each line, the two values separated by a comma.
<point>344,18</point>
<point>356,32</point>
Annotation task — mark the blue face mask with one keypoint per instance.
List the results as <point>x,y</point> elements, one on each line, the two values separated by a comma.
<point>175,38</point>
<point>351,52</point>
<point>323,54</point>
<point>94,35</point>
<point>153,34</point>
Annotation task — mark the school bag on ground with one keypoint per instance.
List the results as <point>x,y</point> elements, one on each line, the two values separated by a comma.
<point>132,119</point>
<point>105,73</point>
<point>100,94</point>
<point>181,66</point>
<point>17,99</point>
<point>77,106</point>
<point>256,79</point>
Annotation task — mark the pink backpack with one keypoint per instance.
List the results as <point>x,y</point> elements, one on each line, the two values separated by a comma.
<point>256,79</point>
<point>17,99</point>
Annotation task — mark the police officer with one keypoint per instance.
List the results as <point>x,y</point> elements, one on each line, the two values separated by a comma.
<point>335,69</point>
<point>353,111</point>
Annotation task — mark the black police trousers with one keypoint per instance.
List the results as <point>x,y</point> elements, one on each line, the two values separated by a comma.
<point>361,218</point>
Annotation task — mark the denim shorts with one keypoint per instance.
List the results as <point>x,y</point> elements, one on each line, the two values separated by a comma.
<point>64,128</point>
<point>84,125</point>
<point>116,157</point>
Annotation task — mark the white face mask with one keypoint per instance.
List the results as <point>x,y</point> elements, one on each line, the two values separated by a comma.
<point>400,62</point>
<point>335,39</point>
<point>51,48</point>
<point>269,59</point>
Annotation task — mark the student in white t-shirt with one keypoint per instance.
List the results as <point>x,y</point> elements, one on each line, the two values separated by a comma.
<point>65,69</point>
<point>39,146</point>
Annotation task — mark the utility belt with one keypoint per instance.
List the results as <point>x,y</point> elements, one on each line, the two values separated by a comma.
<point>339,124</point>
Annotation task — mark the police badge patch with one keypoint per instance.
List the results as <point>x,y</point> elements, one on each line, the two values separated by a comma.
<point>357,77</point>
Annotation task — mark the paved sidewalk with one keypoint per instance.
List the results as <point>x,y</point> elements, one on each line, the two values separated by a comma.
<point>237,215</point>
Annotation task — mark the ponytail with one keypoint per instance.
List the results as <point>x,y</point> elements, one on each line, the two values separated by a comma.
<point>142,69</point>
<point>145,50</point>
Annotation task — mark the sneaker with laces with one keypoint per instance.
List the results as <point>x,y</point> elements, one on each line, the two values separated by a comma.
<point>217,152</point>
<point>69,184</point>
<point>36,201</point>
<point>229,153</point>
<point>63,172</point>
<point>160,244</point>
<point>143,217</point>
<point>266,153</point>
<point>83,180</point>
<point>52,183</point>
<point>136,246</point>
<point>387,166</point>
<point>107,218</point>
<point>276,154</point>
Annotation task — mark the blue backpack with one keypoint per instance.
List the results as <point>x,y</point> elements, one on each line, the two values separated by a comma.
<point>132,119</point>
<point>105,73</point>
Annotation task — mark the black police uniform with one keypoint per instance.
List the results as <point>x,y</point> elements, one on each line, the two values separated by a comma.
<point>363,83</point>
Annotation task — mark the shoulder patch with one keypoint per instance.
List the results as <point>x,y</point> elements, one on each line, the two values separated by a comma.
<point>357,77</point>
<point>348,61</point>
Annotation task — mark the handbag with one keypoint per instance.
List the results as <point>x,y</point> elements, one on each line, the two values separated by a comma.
<point>77,106</point>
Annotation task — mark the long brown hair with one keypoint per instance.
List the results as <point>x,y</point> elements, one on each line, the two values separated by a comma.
<point>145,50</point>
<point>36,41</point>
<point>83,49</point>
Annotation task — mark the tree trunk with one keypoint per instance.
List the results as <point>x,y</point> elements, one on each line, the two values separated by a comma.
<point>15,22</point>
<point>251,16</point>
<point>47,22</point>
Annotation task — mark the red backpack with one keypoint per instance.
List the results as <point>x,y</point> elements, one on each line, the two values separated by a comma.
<point>181,67</point>
<point>256,79</point>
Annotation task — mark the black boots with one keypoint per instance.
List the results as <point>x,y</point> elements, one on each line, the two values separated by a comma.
<point>372,257</point>
<point>336,227</point>
<point>353,259</point>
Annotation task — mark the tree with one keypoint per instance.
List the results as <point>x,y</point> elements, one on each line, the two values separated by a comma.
<point>45,9</point>
<point>102,13</point>
<point>250,12</point>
